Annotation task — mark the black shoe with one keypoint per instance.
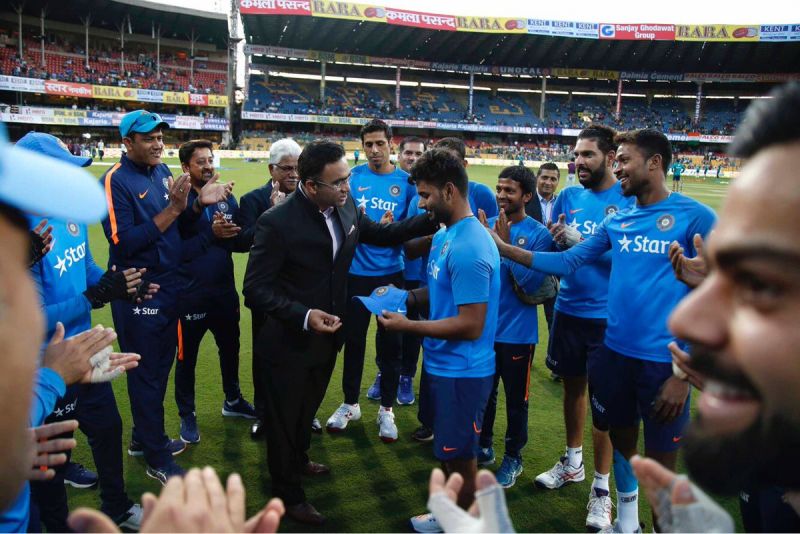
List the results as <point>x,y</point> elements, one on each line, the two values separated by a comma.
<point>423,434</point>
<point>257,430</point>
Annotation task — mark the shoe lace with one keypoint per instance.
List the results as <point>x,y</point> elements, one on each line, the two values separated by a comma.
<point>342,411</point>
<point>599,504</point>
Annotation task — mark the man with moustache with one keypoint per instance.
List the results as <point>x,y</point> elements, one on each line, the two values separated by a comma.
<point>741,323</point>
<point>632,375</point>
<point>282,167</point>
<point>209,300</point>
<point>579,321</point>
<point>144,207</point>
<point>297,276</point>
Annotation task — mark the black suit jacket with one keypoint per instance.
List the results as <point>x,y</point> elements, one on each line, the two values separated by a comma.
<point>291,270</point>
<point>532,208</point>
<point>251,206</point>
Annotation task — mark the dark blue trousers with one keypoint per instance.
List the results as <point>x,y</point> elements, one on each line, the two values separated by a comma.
<point>95,408</point>
<point>513,366</point>
<point>220,314</point>
<point>150,329</point>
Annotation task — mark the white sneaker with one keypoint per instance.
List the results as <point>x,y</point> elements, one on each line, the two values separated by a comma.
<point>560,474</point>
<point>425,523</point>
<point>388,430</point>
<point>599,516</point>
<point>343,415</point>
<point>132,519</point>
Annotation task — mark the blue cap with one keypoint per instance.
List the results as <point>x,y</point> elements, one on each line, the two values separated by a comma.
<point>140,121</point>
<point>387,298</point>
<point>50,145</point>
<point>44,185</point>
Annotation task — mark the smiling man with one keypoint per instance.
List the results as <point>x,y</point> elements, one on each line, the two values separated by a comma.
<point>742,325</point>
<point>633,371</point>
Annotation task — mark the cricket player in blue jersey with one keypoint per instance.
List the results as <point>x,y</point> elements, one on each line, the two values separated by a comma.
<point>461,300</point>
<point>632,375</point>
<point>377,187</point>
<point>517,322</point>
<point>579,320</point>
<point>209,300</point>
<point>70,286</point>
<point>144,205</point>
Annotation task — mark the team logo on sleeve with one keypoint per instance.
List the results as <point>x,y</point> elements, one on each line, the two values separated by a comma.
<point>165,181</point>
<point>394,190</point>
<point>665,222</point>
<point>381,291</point>
<point>610,209</point>
<point>73,229</point>
<point>521,241</point>
<point>444,248</point>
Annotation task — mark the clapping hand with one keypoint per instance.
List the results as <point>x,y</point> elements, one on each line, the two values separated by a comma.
<point>214,191</point>
<point>222,228</point>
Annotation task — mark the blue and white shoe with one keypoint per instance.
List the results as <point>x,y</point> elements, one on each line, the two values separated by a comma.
<point>162,474</point>
<point>486,456</point>
<point>176,446</point>
<point>374,391</point>
<point>239,408</point>
<point>509,470</point>
<point>77,476</point>
<point>405,391</point>
<point>189,431</point>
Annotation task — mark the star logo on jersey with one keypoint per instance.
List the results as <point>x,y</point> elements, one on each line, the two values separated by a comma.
<point>624,243</point>
<point>72,255</point>
<point>573,212</point>
<point>137,310</point>
<point>611,209</point>
<point>394,190</point>
<point>188,317</point>
<point>61,266</point>
<point>665,222</point>
<point>166,196</point>
<point>362,202</point>
<point>73,229</point>
<point>574,224</point>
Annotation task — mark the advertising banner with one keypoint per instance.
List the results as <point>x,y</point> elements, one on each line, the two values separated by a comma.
<point>217,101</point>
<point>716,32</point>
<point>416,19</point>
<point>171,97</point>
<point>24,85</point>
<point>348,11</point>
<point>637,32</point>
<point>113,93</point>
<point>491,25</point>
<point>79,117</point>
<point>149,95</point>
<point>275,7</point>
<point>82,90</point>
<point>780,32</point>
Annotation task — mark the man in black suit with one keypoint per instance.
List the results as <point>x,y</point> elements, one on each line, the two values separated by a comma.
<point>297,277</point>
<point>283,156</point>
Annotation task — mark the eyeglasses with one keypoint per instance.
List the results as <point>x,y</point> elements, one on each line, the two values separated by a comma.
<point>338,185</point>
<point>286,168</point>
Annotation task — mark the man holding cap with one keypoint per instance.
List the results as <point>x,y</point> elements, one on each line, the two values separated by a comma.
<point>144,202</point>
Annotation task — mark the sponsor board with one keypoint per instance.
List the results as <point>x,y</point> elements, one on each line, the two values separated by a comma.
<point>637,32</point>
<point>716,32</point>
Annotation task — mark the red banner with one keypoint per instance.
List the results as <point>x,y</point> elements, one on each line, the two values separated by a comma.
<point>198,100</point>
<point>637,32</point>
<point>53,87</point>
<point>416,19</point>
<point>275,7</point>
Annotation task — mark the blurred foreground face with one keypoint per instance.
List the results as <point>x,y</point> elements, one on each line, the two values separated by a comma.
<point>744,326</point>
<point>21,334</point>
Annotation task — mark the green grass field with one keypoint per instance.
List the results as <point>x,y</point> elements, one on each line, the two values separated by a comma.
<point>374,487</point>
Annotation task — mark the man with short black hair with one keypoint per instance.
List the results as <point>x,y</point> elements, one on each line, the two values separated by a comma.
<point>297,276</point>
<point>632,374</point>
<point>209,300</point>
<point>144,203</point>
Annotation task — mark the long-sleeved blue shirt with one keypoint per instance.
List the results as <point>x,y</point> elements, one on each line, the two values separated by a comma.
<point>642,289</point>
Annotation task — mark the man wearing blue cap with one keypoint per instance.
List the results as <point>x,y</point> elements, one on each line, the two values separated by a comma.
<point>144,202</point>
<point>70,286</point>
<point>74,196</point>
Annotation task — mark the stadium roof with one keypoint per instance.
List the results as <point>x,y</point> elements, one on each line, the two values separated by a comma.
<point>176,22</point>
<point>518,50</point>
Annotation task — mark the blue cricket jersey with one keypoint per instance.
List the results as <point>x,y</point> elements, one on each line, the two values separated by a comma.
<point>463,268</point>
<point>481,196</point>
<point>62,276</point>
<point>377,193</point>
<point>207,268</point>
<point>517,322</point>
<point>642,290</point>
<point>584,293</point>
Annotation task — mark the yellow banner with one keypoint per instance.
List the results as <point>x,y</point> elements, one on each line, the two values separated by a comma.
<point>346,10</point>
<point>586,73</point>
<point>171,97</point>
<point>716,32</point>
<point>114,93</point>
<point>218,101</point>
<point>491,25</point>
